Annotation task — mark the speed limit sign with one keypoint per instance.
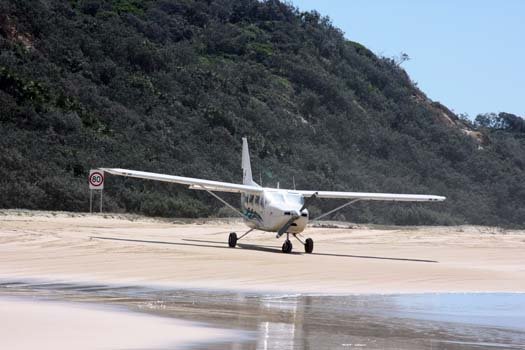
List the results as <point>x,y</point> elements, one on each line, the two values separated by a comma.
<point>96,180</point>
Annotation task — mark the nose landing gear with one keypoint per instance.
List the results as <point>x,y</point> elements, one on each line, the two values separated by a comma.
<point>308,244</point>
<point>287,246</point>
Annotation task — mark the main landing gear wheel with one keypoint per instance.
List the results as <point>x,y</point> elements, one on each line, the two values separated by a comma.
<point>232,240</point>
<point>309,245</point>
<point>287,246</point>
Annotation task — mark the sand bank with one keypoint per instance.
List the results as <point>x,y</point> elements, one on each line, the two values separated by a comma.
<point>360,260</point>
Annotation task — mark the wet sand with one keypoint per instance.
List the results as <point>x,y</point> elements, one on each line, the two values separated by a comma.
<point>27,323</point>
<point>284,321</point>
<point>113,249</point>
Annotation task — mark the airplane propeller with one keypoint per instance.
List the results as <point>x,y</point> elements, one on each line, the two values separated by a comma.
<point>308,201</point>
<point>289,223</point>
<point>285,227</point>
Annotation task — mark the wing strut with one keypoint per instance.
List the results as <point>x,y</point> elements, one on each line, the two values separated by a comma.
<point>222,200</point>
<point>334,210</point>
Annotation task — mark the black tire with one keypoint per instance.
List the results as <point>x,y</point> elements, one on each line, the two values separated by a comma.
<point>287,246</point>
<point>309,245</point>
<point>232,240</point>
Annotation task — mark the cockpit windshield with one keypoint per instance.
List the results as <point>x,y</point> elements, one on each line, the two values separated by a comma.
<point>275,197</point>
<point>294,198</point>
<point>287,198</point>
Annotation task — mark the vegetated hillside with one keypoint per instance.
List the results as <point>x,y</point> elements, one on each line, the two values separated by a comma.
<point>171,86</point>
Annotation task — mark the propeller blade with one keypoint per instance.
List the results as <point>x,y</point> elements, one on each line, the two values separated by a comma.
<point>285,227</point>
<point>308,201</point>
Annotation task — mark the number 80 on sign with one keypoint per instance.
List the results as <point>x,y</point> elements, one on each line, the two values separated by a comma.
<point>96,180</point>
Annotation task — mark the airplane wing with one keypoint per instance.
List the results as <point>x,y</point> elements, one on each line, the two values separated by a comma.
<point>393,197</point>
<point>193,183</point>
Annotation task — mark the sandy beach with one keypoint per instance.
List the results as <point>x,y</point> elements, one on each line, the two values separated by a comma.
<point>111,281</point>
<point>125,249</point>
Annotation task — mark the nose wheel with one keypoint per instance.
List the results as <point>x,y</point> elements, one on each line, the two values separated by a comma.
<point>287,246</point>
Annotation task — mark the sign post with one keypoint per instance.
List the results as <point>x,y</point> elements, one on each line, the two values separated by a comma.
<point>96,182</point>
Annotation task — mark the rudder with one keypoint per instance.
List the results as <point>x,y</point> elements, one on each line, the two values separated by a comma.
<point>247,178</point>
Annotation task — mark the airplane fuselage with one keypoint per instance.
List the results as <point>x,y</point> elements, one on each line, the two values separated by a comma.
<point>272,209</point>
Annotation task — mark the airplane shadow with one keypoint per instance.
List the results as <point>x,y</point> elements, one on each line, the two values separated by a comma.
<point>255,247</point>
<point>271,249</point>
<point>376,257</point>
<point>240,245</point>
<point>261,248</point>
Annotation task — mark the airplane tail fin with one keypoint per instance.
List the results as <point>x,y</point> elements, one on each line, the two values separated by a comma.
<point>247,178</point>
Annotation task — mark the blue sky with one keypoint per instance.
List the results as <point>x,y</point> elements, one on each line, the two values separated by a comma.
<point>467,54</point>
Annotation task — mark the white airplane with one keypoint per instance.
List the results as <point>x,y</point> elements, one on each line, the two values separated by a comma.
<point>277,210</point>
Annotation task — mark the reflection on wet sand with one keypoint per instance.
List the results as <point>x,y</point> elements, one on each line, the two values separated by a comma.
<point>431,321</point>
